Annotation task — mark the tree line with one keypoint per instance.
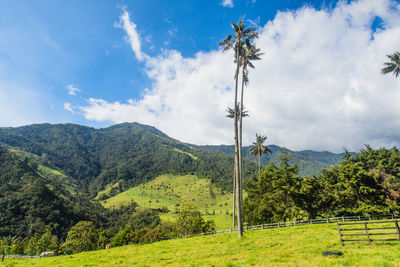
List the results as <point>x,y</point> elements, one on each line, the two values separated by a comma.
<point>144,226</point>
<point>365,184</point>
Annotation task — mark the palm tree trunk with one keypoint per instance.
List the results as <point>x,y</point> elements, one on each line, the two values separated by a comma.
<point>234,197</point>
<point>259,161</point>
<point>240,147</point>
<point>237,173</point>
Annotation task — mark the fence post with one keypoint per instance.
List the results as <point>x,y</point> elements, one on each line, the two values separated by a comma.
<point>327,220</point>
<point>366,232</point>
<point>359,217</point>
<point>343,218</point>
<point>340,234</point>
<point>397,228</point>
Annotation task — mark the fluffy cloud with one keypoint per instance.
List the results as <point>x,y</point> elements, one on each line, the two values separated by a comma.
<point>72,90</point>
<point>318,85</point>
<point>227,3</point>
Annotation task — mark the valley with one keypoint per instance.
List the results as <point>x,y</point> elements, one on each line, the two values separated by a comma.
<point>170,191</point>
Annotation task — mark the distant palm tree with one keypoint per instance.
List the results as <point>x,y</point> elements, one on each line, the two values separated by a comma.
<point>393,66</point>
<point>236,42</point>
<point>231,112</point>
<point>258,149</point>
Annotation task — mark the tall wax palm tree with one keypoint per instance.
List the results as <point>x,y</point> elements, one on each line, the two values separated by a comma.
<point>249,54</point>
<point>258,149</point>
<point>231,114</point>
<point>236,42</point>
<point>393,66</point>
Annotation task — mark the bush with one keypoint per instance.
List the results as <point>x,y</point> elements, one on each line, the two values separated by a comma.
<point>81,237</point>
<point>191,222</point>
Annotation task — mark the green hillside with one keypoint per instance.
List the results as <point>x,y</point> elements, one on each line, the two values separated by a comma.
<point>128,153</point>
<point>309,162</point>
<point>170,191</point>
<point>293,246</point>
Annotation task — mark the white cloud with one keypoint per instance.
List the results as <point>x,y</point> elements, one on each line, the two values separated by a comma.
<point>72,90</point>
<point>69,107</point>
<point>132,35</point>
<point>318,85</point>
<point>227,3</point>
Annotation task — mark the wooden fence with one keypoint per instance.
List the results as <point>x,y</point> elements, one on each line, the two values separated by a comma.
<point>301,222</point>
<point>12,256</point>
<point>391,229</point>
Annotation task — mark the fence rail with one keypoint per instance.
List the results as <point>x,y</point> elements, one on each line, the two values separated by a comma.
<point>301,222</point>
<point>16,256</point>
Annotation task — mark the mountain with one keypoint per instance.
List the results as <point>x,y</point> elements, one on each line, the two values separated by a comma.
<point>310,162</point>
<point>75,156</point>
<point>128,153</point>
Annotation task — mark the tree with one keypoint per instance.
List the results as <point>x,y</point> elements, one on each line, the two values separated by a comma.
<point>258,148</point>
<point>393,66</point>
<point>273,195</point>
<point>364,184</point>
<point>190,221</point>
<point>83,236</point>
<point>237,42</point>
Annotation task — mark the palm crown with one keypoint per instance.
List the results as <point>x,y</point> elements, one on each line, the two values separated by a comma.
<point>393,66</point>
<point>242,36</point>
<point>258,148</point>
<point>231,112</point>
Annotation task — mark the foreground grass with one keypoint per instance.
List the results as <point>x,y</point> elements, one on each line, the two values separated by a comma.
<point>292,246</point>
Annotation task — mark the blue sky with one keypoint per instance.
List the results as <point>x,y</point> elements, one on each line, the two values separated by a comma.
<point>102,62</point>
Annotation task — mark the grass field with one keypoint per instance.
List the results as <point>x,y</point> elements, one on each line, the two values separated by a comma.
<point>172,190</point>
<point>292,246</point>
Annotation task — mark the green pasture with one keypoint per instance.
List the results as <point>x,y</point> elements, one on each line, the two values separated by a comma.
<point>172,190</point>
<point>291,246</point>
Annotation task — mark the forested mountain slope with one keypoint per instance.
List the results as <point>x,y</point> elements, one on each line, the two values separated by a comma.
<point>309,162</point>
<point>128,153</point>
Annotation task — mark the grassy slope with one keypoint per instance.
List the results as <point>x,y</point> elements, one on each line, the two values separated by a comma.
<point>293,246</point>
<point>170,190</point>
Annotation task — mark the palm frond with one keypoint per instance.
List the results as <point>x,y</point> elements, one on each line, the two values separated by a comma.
<point>252,35</point>
<point>231,112</point>
<point>227,39</point>
<point>249,30</point>
<point>234,27</point>
<point>393,66</point>
<point>228,45</point>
